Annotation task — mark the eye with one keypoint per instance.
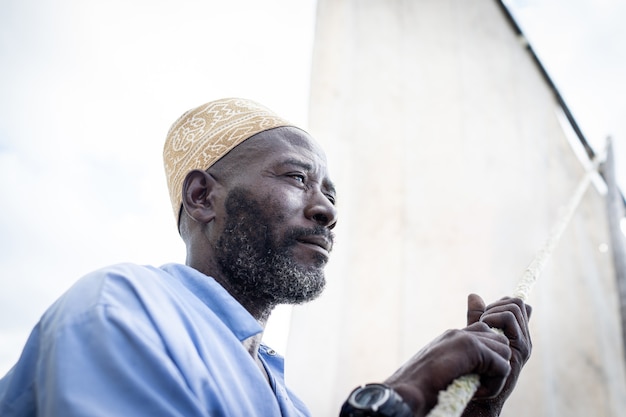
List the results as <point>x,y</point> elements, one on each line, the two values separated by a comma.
<point>298,177</point>
<point>331,198</point>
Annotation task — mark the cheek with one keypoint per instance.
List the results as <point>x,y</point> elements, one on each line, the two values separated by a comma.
<point>284,205</point>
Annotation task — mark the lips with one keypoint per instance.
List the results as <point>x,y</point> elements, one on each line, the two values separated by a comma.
<point>317,240</point>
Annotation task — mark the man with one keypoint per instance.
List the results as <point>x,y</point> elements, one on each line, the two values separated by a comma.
<point>255,207</point>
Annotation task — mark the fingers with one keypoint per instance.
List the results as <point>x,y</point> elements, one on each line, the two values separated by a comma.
<point>511,316</point>
<point>492,338</point>
<point>515,305</point>
<point>494,360</point>
<point>497,358</point>
<point>474,349</point>
<point>475,308</point>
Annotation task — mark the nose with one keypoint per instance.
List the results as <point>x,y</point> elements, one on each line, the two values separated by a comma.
<point>322,211</point>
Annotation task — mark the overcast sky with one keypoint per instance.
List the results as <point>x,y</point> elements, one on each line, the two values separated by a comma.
<point>582,43</point>
<point>90,87</point>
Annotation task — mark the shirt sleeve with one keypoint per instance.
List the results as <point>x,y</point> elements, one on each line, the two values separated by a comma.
<point>109,363</point>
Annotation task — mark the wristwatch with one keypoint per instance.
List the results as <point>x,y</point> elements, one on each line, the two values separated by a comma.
<point>375,400</point>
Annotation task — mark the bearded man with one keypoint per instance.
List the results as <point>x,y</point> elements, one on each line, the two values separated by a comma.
<point>255,206</point>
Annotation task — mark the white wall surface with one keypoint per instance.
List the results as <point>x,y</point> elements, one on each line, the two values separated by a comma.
<point>451,166</point>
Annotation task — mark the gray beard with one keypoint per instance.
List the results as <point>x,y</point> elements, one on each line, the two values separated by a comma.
<point>259,268</point>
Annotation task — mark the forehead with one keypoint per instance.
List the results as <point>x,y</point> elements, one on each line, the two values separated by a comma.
<point>276,145</point>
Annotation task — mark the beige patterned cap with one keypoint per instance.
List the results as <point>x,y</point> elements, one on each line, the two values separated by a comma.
<point>203,135</point>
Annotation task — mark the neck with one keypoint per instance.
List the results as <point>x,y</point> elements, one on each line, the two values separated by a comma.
<point>258,308</point>
<point>252,346</point>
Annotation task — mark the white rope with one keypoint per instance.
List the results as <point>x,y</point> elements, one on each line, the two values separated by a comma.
<point>452,401</point>
<point>532,272</point>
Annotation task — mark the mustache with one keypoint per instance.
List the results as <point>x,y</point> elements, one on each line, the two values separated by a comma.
<point>296,233</point>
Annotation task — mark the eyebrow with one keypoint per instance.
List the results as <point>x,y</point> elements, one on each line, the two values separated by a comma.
<point>292,161</point>
<point>328,184</point>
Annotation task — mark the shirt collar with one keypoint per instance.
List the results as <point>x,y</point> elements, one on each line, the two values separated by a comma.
<point>217,299</point>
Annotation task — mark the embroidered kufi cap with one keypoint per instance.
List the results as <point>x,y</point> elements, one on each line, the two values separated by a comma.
<point>203,135</point>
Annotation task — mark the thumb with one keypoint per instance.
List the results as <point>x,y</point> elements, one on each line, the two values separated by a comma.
<point>475,308</point>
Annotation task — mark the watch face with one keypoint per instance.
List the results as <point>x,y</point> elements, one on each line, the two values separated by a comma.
<point>370,396</point>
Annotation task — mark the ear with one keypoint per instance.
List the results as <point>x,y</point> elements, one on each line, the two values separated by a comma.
<point>199,190</point>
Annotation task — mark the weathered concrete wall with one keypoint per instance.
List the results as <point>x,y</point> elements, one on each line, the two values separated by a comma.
<point>451,167</point>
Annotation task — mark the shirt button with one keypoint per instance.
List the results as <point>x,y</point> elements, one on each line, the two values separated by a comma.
<point>271,352</point>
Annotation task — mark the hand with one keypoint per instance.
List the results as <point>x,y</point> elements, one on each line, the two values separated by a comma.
<point>474,349</point>
<point>511,316</point>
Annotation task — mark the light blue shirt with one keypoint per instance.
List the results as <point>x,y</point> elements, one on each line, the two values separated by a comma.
<point>132,340</point>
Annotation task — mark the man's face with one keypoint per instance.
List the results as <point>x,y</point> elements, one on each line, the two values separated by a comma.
<point>276,234</point>
<point>256,253</point>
